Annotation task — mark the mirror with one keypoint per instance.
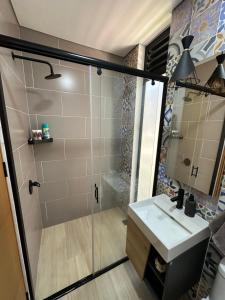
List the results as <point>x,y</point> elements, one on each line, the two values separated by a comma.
<point>195,142</point>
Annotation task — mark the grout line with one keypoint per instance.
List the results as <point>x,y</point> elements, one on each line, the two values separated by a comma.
<point>46,115</point>
<point>85,124</point>
<point>42,172</point>
<point>24,75</point>
<point>210,159</point>
<point>64,141</point>
<point>64,116</point>
<point>36,121</point>
<point>195,138</point>
<point>84,82</point>
<point>64,92</point>
<point>20,188</point>
<point>15,109</point>
<point>46,211</point>
<point>86,167</point>
<point>73,92</point>
<point>208,108</point>
<point>32,74</point>
<point>20,146</point>
<point>81,158</point>
<point>21,169</point>
<point>70,178</point>
<point>61,98</point>
<point>29,118</point>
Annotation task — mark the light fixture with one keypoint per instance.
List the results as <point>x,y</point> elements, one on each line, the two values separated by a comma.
<point>217,79</point>
<point>185,69</point>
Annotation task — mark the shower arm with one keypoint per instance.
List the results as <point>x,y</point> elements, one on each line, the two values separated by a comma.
<point>14,56</point>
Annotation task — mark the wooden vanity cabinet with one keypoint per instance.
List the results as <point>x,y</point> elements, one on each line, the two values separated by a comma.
<point>137,247</point>
<point>181,273</point>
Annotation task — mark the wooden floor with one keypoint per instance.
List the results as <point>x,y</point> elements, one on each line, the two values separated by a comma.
<point>66,250</point>
<point>121,283</point>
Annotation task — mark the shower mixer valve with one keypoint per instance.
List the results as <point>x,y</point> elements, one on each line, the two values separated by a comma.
<point>32,184</point>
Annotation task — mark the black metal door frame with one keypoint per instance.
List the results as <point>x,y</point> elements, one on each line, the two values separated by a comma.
<point>14,185</point>
<point>34,48</point>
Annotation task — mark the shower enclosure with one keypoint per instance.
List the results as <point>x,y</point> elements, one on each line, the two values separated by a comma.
<point>73,227</point>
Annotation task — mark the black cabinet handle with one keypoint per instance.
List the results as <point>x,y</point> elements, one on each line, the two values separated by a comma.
<point>96,193</point>
<point>194,171</point>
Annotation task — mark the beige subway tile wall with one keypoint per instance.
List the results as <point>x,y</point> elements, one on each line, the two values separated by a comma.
<point>64,167</point>
<point>12,74</point>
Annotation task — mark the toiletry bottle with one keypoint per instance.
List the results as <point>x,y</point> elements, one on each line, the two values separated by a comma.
<point>190,206</point>
<point>45,131</point>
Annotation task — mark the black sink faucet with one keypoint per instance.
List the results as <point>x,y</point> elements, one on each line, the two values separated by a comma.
<point>179,199</point>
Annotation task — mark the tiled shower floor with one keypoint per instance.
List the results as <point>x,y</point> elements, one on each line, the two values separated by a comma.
<point>66,249</point>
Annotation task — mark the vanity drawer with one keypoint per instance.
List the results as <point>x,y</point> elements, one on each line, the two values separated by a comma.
<point>137,247</point>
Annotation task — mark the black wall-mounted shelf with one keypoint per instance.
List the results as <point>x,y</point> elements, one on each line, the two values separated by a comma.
<point>43,141</point>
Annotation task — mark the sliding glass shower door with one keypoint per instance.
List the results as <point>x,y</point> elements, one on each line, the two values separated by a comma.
<point>113,96</point>
<point>75,221</point>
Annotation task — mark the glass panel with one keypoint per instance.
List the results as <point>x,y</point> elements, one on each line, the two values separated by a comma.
<point>57,216</point>
<point>149,138</point>
<point>116,118</point>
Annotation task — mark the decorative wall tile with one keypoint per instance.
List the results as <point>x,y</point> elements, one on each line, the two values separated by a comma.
<point>199,6</point>
<point>128,109</point>
<point>221,203</point>
<point>181,16</point>
<point>204,25</point>
<point>203,49</point>
<point>162,174</point>
<point>219,45</point>
<point>170,96</point>
<point>131,58</point>
<point>168,115</point>
<point>220,36</point>
<point>163,155</point>
<point>221,24</point>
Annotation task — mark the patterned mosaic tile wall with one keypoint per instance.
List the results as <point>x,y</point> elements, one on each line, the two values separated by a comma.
<point>128,110</point>
<point>205,19</point>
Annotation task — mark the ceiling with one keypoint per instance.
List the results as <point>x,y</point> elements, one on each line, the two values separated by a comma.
<point>114,26</point>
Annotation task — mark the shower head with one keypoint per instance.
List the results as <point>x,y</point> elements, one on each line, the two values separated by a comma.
<point>53,76</point>
<point>187,99</point>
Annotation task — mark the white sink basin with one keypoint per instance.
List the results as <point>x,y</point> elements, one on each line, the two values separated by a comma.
<point>168,229</point>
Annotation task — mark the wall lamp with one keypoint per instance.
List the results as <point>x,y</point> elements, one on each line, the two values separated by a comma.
<point>185,69</point>
<point>217,79</point>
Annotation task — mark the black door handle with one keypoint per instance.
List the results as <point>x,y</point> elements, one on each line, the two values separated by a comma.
<point>96,193</point>
<point>32,184</point>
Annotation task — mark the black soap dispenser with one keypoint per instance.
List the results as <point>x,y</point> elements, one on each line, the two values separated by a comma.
<point>190,206</point>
